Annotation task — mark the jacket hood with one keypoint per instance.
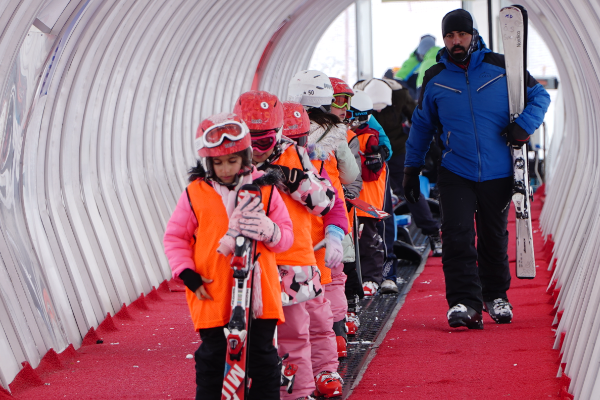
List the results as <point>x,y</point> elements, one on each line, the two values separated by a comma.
<point>322,145</point>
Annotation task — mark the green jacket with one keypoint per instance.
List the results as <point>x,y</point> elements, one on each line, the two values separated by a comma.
<point>412,65</point>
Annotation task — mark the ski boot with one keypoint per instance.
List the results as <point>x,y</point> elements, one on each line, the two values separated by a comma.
<point>435,241</point>
<point>352,323</point>
<point>499,309</point>
<point>328,384</point>
<point>341,338</point>
<point>288,374</point>
<point>370,288</point>
<point>461,315</point>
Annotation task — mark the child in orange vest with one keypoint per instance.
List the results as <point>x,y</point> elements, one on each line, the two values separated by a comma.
<point>200,238</point>
<point>373,192</point>
<point>306,194</point>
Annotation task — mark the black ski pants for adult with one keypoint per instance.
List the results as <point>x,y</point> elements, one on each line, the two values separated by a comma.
<point>420,210</point>
<point>474,274</point>
<point>210,362</point>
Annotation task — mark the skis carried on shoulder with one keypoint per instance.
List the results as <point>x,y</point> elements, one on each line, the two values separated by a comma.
<point>235,380</point>
<point>513,25</point>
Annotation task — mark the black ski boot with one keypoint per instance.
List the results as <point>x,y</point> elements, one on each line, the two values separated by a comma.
<point>499,309</point>
<point>461,315</point>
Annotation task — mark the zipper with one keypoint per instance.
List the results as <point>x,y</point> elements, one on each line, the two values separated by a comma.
<point>474,126</point>
<point>448,87</point>
<point>492,81</point>
<point>448,145</point>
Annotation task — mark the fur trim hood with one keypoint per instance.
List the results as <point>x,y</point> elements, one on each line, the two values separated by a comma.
<point>322,143</point>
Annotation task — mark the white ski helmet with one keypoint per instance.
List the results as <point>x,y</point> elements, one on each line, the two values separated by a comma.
<point>361,101</point>
<point>311,88</point>
<point>361,107</point>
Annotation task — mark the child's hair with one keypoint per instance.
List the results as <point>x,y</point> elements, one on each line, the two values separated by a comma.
<point>198,172</point>
<point>322,118</point>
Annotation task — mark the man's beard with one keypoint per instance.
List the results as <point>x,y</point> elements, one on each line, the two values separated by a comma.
<point>458,47</point>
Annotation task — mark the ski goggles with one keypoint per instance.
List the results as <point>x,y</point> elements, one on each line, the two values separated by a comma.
<point>264,141</point>
<point>301,140</point>
<point>358,115</point>
<point>341,101</point>
<point>215,135</point>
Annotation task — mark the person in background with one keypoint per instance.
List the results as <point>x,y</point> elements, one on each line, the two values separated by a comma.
<point>208,208</point>
<point>413,70</point>
<point>476,174</point>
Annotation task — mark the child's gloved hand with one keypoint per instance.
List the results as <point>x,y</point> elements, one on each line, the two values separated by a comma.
<point>256,225</point>
<point>227,242</point>
<point>334,250</point>
<point>252,204</point>
<point>195,282</point>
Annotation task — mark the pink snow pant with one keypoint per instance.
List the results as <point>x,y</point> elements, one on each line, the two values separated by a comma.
<point>324,355</point>
<point>335,293</point>
<point>293,337</point>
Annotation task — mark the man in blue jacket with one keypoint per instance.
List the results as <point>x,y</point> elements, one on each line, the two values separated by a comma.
<point>464,98</point>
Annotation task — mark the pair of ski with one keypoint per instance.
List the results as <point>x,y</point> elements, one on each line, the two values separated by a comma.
<point>513,25</point>
<point>236,382</point>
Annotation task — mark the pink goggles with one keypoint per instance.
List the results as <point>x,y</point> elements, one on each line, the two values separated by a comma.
<point>264,141</point>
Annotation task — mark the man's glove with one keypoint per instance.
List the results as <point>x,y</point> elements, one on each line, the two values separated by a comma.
<point>515,135</point>
<point>293,177</point>
<point>411,184</point>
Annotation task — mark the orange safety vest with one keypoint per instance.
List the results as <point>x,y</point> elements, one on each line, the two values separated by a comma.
<point>301,253</point>
<point>318,233</point>
<point>212,217</point>
<point>372,192</point>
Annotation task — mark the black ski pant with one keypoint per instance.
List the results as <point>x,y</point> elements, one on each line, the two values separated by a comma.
<point>371,251</point>
<point>474,274</point>
<point>420,211</point>
<point>387,231</point>
<point>210,362</point>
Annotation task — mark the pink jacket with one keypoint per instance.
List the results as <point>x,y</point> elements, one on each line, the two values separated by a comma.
<point>182,225</point>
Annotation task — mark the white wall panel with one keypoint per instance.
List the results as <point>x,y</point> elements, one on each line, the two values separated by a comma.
<point>97,118</point>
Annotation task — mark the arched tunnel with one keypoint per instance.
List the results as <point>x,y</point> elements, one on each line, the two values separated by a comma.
<point>99,103</point>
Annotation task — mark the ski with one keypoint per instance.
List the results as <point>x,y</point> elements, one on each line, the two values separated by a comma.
<point>513,23</point>
<point>369,209</point>
<point>235,379</point>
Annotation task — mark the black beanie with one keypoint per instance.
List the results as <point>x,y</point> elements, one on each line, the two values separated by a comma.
<point>458,20</point>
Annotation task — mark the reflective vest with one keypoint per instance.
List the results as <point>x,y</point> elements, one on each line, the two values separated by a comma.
<point>372,192</point>
<point>301,253</point>
<point>213,222</point>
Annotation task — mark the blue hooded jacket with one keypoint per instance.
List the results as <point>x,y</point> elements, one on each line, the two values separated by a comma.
<point>469,110</point>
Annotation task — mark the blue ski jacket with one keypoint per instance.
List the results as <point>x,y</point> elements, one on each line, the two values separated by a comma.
<point>468,109</point>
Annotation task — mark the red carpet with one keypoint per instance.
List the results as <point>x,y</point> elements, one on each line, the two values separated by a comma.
<point>142,356</point>
<point>423,358</point>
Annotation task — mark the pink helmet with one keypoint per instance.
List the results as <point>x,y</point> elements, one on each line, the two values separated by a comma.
<point>260,110</point>
<point>221,134</point>
<point>340,87</point>
<point>295,120</point>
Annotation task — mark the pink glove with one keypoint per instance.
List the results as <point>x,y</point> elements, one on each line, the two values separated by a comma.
<point>256,225</point>
<point>227,242</point>
<point>334,251</point>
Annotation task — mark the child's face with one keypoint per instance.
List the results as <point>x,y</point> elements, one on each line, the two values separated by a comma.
<point>227,167</point>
